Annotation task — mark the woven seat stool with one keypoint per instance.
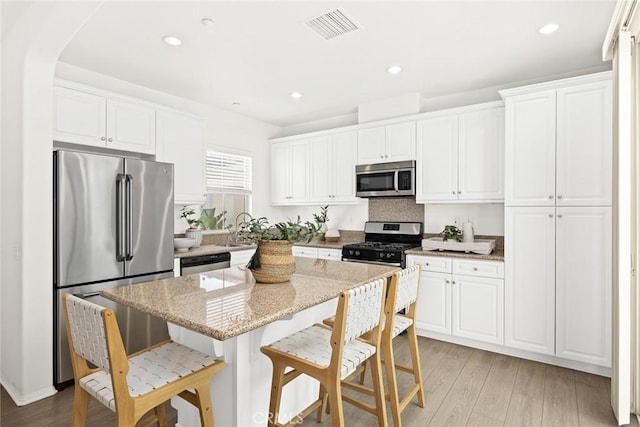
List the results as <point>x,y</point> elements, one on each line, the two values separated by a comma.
<point>402,295</point>
<point>132,386</point>
<point>331,355</point>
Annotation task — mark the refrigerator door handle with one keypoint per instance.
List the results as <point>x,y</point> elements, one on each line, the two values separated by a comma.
<point>120,206</point>
<point>129,204</point>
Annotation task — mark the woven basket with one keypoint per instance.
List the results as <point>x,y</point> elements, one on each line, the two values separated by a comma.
<point>276,262</point>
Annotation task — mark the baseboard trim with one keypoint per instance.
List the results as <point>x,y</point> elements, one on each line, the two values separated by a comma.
<point>551,360</point>
<point>22,400</point>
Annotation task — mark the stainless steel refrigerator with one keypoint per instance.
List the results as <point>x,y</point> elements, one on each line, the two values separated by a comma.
<point>113,225</point>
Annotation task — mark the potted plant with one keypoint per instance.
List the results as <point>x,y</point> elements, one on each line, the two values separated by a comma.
<point>193,232</point>
<point>273,261</point>
<point>451,233</point>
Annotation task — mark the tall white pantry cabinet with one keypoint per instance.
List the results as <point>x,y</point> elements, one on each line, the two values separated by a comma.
<point>558,225</point>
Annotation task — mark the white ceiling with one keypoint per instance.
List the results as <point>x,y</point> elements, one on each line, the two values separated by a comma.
<point>259,52</point>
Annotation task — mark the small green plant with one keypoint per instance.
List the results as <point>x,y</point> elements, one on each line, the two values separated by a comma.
<point>211,221</point>
<point>321,217</point>
<point>451,232</point>
<point>189,214</point>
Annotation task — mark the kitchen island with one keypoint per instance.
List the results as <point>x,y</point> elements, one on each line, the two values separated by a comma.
<point>226,314</point>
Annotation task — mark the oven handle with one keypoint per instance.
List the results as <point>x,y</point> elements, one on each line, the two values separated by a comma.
<point>395,181</point>
<point>393,264</point>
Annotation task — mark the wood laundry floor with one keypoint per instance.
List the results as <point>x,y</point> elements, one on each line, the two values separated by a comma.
<point>463,386</point>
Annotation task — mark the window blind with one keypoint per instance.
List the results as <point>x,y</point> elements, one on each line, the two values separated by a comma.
<point>229,173</point>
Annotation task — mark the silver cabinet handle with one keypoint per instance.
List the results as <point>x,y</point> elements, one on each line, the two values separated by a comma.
<point>453,282</point>
<point>426,263</point>
<point>447,282</point>
<point>453,192</point>
<point>475,268</point>
<point>103,138</point>
<point>381,156</point>
<point>550,215</point>
<point>550,197</point>
<point>559,215</point>
<point>110,139</point>
<point>560,197</point>
<point>459,192</point>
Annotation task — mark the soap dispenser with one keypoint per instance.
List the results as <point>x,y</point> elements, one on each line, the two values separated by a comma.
<point>467,232</point>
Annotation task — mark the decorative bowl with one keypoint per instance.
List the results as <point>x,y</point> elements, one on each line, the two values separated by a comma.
<point>182,244</point>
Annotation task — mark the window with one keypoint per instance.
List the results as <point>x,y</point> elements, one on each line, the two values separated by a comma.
<point>228,189</point>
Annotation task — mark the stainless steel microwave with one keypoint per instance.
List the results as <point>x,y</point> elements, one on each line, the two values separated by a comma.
<point>386,179</point>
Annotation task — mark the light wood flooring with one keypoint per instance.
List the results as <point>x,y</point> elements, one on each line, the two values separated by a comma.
<point>463,386</point>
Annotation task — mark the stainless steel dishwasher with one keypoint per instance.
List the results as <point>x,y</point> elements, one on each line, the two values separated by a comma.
<point>202,263</point>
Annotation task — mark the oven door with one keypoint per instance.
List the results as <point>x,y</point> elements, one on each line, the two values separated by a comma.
<point>364,261</point>
<point>385,180</point>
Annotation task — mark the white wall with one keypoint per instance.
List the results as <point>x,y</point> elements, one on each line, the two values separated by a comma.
<point>28,61</point>
<point>224,130</point>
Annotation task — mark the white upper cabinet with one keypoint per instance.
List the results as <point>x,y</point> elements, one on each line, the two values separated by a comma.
<point>99,120</point>
<point>461,155</point>
<point>481,155</point>
<point>332,165</point>
<point>390,143</point>
<point>181,142</point>
<point>437,165</point>
<point>584,145</point>
<point>79,117</point>
<point>289,172</point>
<point>558,146</point>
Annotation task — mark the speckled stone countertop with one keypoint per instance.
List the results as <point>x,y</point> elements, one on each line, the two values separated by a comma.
<point>329,245</point>
<point>226,303</point>
<point>211,249</point>
<point>496,255</point>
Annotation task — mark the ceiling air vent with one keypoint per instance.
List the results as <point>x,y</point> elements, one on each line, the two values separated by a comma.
<point>332,24</point>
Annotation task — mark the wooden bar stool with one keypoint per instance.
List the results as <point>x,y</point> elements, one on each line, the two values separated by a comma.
<point>131,386</point>
<point>330,355</point>
<point>402,295</point>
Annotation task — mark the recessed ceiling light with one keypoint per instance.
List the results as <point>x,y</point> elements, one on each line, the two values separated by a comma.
<point>296,95</point>
<point>207,22</point>
<point>548,29</point>
<point>394,69</point>
<point>172,40</point>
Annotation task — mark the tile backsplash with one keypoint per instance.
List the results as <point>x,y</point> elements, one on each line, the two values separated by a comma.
<point>395,209</point>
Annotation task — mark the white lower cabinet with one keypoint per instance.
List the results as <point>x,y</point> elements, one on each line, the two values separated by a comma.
<point>558,282</point>
<point>241,257</point>
<point>466,305</point>
<point>317,253</point>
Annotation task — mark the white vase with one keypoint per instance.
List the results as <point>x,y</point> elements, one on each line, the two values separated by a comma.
<point>195,235</point>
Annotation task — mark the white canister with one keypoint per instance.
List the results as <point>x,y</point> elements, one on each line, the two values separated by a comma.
<point>467,232</point>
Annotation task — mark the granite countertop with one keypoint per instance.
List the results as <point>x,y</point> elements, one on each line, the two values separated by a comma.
<point>236,304</point>
<point>328,245</point>
<point>496,255</point>
<point>211,249</point>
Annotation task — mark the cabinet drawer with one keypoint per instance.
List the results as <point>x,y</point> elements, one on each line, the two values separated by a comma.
<point>478,268</point>
<point>433,264</point>
<point>305,251</point>
<point>333,254</point>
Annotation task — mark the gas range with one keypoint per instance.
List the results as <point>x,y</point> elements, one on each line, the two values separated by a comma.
<point>385,242</point>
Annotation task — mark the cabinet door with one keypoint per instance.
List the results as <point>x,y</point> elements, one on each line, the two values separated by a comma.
<point>400,142</point>
<point>320,173</point>
<point>477,308</point>
<point>280,173</point>
<point>299,166</point>
<point>181,142</point>
<point>584,147</point>
<point>433,307</point>
<point>371,145</point>
<point>79,117</point>
<point>529,258</point>
<point>241,258</point>
<point>583,284</point>
<point>131,127</point>
<point>437,165</point>
<point>481,155</point>
<point>530,140</point>
<point>343,161</point>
